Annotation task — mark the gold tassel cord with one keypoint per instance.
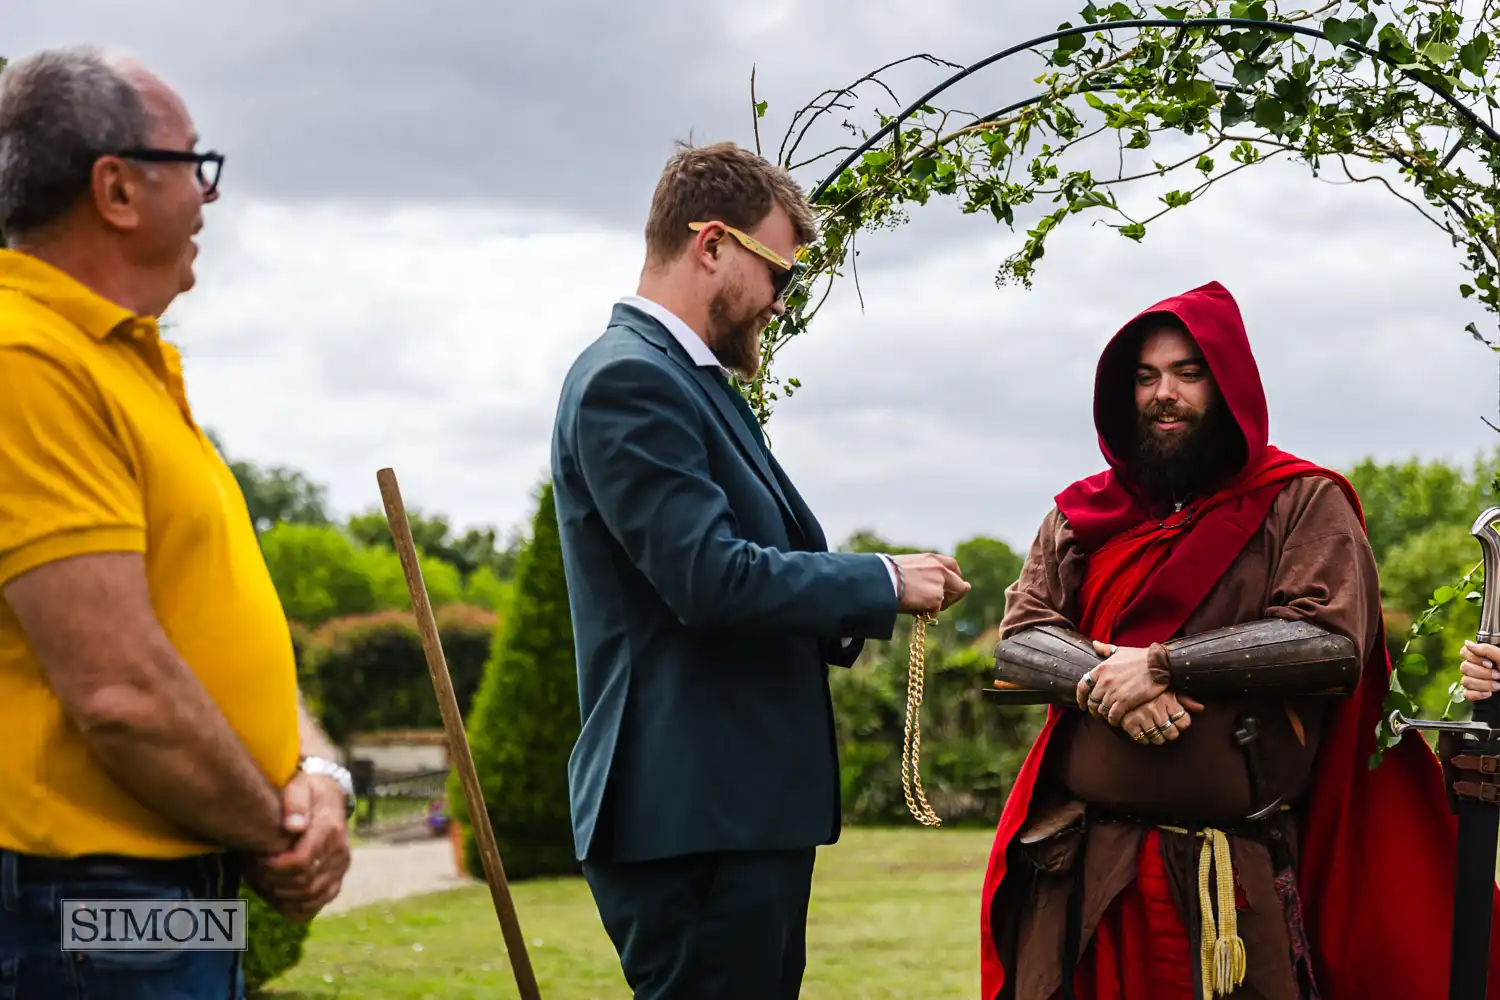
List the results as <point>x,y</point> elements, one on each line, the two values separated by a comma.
<point>1223,953</point>
<point>911,751</point>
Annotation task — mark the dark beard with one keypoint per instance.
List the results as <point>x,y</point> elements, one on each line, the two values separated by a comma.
<point>736,339</point>
<point>1191,463</point>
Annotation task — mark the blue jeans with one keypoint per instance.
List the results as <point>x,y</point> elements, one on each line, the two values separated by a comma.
<point>33,965</point>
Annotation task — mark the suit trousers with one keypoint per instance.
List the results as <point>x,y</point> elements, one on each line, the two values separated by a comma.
<point>724,925</point>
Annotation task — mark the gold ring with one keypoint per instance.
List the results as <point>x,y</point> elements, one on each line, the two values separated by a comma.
<point>1172,719</point>
<point>1139,737</point>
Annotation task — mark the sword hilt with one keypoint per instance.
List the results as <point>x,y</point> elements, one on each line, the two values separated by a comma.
<point>1484,724</point>
<point>1486,529</point>
<point>1482,731</point>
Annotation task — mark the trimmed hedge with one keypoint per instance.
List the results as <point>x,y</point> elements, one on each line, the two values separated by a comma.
<point>274,945</point>
<point>525,718</point>
<point>368,672</point>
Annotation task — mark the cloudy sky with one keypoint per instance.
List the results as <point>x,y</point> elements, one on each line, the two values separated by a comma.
<point>428,211</point>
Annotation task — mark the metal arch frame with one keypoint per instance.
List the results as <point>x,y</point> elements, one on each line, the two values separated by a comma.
<point>1206,22</point>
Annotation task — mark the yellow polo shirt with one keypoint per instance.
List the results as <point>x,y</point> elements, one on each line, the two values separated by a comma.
<point>99,452</point>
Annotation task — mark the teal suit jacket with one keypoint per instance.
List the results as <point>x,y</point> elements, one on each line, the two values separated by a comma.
<point>706,610</point>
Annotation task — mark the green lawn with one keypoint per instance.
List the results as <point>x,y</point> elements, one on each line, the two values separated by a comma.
<point>895,913</point>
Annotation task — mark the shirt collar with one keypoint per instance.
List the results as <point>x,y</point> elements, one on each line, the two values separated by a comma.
<point>685,335</point>
<point>66,295</point>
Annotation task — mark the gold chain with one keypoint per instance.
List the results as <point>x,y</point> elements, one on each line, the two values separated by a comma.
<point>911,751</point>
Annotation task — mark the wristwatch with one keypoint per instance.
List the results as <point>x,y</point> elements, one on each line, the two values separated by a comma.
<point>334,770</point>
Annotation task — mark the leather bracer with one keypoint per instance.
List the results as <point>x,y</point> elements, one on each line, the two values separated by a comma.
<point>1267,657</point>
<point>1046,658</point>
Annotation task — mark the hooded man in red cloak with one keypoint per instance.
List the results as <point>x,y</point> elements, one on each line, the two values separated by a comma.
<point>1205,823</point>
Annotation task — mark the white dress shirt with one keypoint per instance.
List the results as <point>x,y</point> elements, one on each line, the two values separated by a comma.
<point>704,357</point>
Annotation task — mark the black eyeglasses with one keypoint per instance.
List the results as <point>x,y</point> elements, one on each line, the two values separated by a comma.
<point>210,164</point>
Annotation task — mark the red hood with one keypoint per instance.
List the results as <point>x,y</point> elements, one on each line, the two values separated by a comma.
<point>1101,505</point>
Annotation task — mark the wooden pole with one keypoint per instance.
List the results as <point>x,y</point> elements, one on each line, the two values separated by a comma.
<point>458,740</point>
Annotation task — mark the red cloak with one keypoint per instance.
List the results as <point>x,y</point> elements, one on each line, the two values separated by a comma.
<point>1376,865</point>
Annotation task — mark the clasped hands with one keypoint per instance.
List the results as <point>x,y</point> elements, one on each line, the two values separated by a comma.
<point>1124,691</point>
<point>306,876</point>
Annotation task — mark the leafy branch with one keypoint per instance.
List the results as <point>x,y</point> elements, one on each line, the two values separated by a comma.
<point>1427,623</point>
<point>1408,88</point>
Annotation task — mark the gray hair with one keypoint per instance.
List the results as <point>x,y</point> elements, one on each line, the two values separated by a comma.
<point>60,110</point>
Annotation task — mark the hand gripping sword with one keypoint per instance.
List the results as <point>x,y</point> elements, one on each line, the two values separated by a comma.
<point>1478,821</point>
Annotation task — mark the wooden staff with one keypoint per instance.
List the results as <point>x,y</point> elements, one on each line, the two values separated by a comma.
<point>458,740</point>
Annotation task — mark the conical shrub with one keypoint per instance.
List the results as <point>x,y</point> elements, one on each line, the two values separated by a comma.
<point>525,717</point>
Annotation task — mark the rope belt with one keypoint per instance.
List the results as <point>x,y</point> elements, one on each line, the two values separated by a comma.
<point>1222,956</point>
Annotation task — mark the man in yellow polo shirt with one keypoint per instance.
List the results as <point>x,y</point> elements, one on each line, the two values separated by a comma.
<point>153,744</point>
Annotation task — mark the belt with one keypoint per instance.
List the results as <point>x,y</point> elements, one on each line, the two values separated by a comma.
<point>213,874</point>
<point>1269,829</point>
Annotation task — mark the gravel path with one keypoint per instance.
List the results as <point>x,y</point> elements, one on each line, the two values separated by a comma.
<point>393,871</point>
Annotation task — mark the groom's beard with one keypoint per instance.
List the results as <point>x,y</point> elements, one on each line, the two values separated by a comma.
<point>1173,466</point>
<point>735,333</point>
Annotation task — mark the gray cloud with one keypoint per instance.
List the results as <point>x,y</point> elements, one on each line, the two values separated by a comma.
<point>573,105</point>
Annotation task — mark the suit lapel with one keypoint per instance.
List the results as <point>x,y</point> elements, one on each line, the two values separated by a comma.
<point>754,450</point>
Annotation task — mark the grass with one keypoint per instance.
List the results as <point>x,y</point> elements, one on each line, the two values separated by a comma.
<point>895,913</point>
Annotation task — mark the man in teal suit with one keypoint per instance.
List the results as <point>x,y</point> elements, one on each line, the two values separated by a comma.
<point>706,605</point>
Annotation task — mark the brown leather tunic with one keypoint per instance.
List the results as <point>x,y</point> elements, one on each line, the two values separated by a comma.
<point>1310,561</point>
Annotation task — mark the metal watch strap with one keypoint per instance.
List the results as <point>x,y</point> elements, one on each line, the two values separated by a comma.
<point>338,772</point>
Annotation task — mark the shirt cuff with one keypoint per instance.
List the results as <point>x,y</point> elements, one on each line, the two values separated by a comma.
<point>890,568</point>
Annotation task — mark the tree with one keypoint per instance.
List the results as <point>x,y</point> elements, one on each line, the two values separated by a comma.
<point>1423,564</point>
<point>1404,87</point>
<point>867,541</point>
<point>525,718</point>
<point>476,549</point>
<point>278,494</point>
<point>991,567</point>
<point>1402,499</point>
<point>320,573</point>
<point>485,589</point>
